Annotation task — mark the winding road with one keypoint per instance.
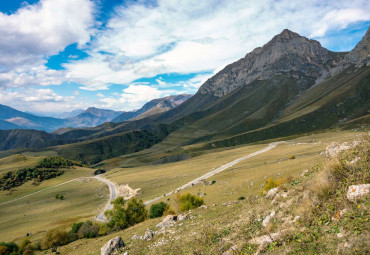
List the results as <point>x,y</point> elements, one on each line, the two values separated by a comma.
<point>112,196</point>
<point>217,170</point>
<point>113,190</point>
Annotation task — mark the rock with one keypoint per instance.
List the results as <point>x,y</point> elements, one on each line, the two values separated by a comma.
<point>334,149</point>
<point>201,194</point>
<point>272,192</point>
<point>357,191</point>
<point>268,218</point>
<point>340,235</point>
<point>113,245</point>
<point>203,207</point>
<point>230,251</point>
<point>135,237</point>
<point>211,182</point>
<point>182,217</point>
<point>308,58</point>
<point>149,234</point>
<point>265,239</point>
<point>168,221</point>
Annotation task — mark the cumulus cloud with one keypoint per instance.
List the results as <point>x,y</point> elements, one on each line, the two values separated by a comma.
<point>38,100</point>
<point>40,30</point>
<point>134,97</point>
<point>199,36</point>
<point>339,19</point>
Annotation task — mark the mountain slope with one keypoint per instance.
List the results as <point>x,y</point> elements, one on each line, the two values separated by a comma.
<point>92,117</point>
<point>153,107</point>
<point>26,120</point>
<point>289,86</point>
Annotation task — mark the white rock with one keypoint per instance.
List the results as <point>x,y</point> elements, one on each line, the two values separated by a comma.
<point>182,217</point>
<point>272,192</point>
<point>265,239</point>
<point>268,218</point>
<point>334,149</point>
<point>355,192</point>
<point>112,245</point>
<point>149,234</point>
<point>168,221</point>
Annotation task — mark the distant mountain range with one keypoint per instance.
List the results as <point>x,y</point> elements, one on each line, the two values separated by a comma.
<point>13,119</point>
<point>153,107</point>
<point>291,85</point>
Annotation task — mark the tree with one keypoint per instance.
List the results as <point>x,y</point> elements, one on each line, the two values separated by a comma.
<point>88,230</point>
<point>136,211</point>
<point>121,217</point>
<point>117,216</point>
<point>54,238</point>
<point>157,210</point>
<point>189,201</point>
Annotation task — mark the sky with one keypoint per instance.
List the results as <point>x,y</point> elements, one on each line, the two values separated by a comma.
<point>60,55</point>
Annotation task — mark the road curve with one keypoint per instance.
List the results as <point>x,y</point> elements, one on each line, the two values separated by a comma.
<point>112,196</point>
<point>217,170</point>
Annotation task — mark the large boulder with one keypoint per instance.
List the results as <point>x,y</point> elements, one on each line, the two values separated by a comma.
<point>357,191</point>
<point>272,192</point>
<point>149,234</point>
<point>112,246</point>
<point>168,221</point>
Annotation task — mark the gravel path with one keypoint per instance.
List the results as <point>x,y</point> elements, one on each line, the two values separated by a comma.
<point>217,170</point>
<point>112,196</point>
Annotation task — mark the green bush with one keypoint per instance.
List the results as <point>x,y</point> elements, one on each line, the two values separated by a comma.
<point>75,227</point>
<point>88,230</point>
<point>8,248</point>
<point>54,238</point>
<point>56,162</point>
<point>121,217</point>
<point>157,210</point>
<point>241,198</point>
<point>188,201</point>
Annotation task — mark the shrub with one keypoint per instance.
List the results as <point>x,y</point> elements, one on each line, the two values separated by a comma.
<point>157,210</point>
<point>292,157</point>
<point>54,238</point>
<point>121,217</point>
<point>189,201</point>
<point>75,227</point>
<point>88,230</point>
<point>56,162</point>
<point>8,248</point>
<point>136,211</point>
<point>241,198</point>
<point>169,211</point>
<point>272,183</point>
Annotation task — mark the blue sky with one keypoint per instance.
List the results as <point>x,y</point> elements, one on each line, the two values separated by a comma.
<point>61,55</point>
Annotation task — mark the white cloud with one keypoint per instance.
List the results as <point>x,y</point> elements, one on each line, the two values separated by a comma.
<point>339,19</point>
<point>199,36</point>
<point>39,100</point>
<point>40,30</point>
<point>134,97</point>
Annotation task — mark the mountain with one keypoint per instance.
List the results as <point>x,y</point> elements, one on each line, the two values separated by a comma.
<point>25,120</point>
<point>73,113</point>
<point>153,107</point>
<point>290,86</point>
<point>92,117</point>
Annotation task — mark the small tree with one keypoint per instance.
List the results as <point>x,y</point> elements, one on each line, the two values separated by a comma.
<point>157,210</point>
<point>88,230</point>
<point>121,217</point>
<point>136,211</point>
<point>54,238</point>
<point>117,216</point>
<point>189,201</point>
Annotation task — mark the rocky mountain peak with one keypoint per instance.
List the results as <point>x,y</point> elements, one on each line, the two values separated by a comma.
<point>360,55</point>
<point>287,52</point>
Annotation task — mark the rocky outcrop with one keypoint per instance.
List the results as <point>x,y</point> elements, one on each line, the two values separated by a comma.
<point>149,234</point>
<point>287,52</point>
<point>360,55</point>
<point>168,221</point>
<point>272,192</point>
<point>112,246</point>
<point>355,192</point>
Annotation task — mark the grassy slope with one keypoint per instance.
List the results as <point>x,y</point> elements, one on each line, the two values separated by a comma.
<point>38,213</point>
<point>243,179</point>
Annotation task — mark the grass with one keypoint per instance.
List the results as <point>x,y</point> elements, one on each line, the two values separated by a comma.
<point>220,222</point>
<point>41,212</point>
<point>17,161</point>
